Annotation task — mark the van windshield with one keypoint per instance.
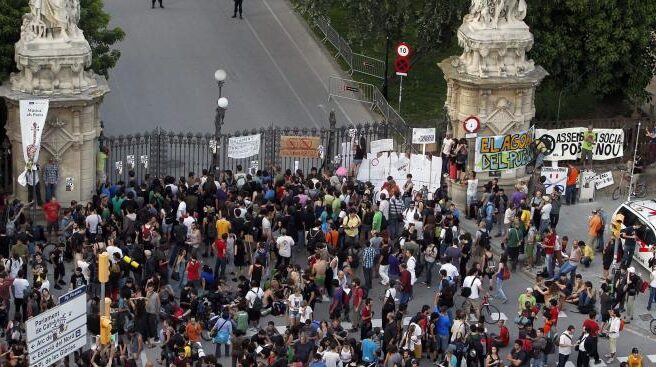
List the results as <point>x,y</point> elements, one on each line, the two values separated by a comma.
<point>646,233</point>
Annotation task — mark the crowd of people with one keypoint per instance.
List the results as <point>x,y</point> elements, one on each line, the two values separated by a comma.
<point>208,257</point>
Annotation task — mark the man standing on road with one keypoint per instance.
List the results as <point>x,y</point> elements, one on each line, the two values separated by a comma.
<point>630,237</point>
<point>238,6</point>
<point>472,303</point>
<point>368,261</point>
<point>160,4</point>
<point>652,285</point>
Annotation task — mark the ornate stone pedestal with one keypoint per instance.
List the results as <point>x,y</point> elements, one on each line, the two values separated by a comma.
<point>493,79</point>
<point>52,57</point>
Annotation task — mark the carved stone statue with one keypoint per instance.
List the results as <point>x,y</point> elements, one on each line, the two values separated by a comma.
<point>493,13</point>
<point>51,20</point>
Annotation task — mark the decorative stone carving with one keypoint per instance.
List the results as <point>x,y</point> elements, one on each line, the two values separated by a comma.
<point>495,13</point>
<point>52,53</point>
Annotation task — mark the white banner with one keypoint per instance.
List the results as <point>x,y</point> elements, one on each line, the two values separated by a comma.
<point>423,136</point>
<point>244,146</point>
<point>565,144</point>
<point>33,113</point>
<point>604,180</point>
<point>556,178</point>
<point>425,171</point>
<point>382,145</point>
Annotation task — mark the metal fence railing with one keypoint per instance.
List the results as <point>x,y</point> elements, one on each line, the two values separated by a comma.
<point>370,95</point>
<point>356,62</point>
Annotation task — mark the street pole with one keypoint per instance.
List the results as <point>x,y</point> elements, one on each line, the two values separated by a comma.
<point>400,93</point>
<point>387,46</point>
<point>635,156</point>
<point>220,76</point>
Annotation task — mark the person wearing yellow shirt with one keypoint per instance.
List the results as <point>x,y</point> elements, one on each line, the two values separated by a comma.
<point>351,224</point>
<point>635,359</point>
<point>222,226</point>
<point>588,255</point>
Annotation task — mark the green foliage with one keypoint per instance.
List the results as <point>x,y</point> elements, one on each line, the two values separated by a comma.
<point>437,22</point>
<point>11,12</point>
<point>600,46</point>
<point>94,21</point>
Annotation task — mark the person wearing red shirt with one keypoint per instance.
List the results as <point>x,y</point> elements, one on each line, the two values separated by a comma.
<point>221,253</point>
<point>549,243</point>
<point>551,322</point>
<point>502,340</point>
<point>365,319</point>
<point>358,294</point>
<point>193,271</point>
<point>406,287</point>
<point>51,212</point>
<point>593,327</point>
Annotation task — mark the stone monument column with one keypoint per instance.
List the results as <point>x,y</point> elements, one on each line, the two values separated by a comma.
<point>493,79</point>
<point>52,57</point>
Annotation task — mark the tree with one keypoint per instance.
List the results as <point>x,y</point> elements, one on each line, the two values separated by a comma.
<point>371,19</point>
<point>438,22</point>
<point>94,21</point>
<point>11,12</point>
<point>600,46</point>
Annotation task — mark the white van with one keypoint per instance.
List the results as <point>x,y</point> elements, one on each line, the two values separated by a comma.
<point>643,211</point>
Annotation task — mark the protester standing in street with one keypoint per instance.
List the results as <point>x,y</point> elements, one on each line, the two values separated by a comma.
<point>238,7</point>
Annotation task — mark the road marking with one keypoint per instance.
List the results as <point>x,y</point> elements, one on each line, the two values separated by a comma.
<point>562,314</point>
<point>377,323</point>
<point>494,315</point>
<point>601,363</point>
<point>316,74</point>
<point>623,359</point>
<point>289,84</point>
<point>652,358</point>
<point>569,364</point>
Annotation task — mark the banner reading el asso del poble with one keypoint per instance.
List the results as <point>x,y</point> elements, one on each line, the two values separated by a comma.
<point>503,152</point>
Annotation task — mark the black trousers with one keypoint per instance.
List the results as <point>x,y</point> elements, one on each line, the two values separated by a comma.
<point>238,4</point>
<point>160,3</point>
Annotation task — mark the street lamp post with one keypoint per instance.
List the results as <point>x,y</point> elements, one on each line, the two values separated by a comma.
<point>222,104</point>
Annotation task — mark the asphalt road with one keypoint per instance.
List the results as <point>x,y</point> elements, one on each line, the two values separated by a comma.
<point>277,71</point>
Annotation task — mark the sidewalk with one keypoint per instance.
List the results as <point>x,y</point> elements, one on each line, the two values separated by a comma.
<point>574,223</point>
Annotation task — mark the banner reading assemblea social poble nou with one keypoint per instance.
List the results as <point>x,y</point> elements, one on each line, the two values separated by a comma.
<point>503,152</point>
<point>565,144</point>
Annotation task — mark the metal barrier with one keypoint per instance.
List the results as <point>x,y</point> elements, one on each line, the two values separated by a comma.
<point>368,66</point>
<point>370,95</point>
<point>356,62</point>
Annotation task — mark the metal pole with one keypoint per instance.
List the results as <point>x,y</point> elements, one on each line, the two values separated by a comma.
<point>635,155</point>
<point>387,46</point>
<point>102,299</point>
<point>400,92</point>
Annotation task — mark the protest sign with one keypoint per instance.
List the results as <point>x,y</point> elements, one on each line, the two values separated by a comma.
<point>244,146</point>
<point>382,145</point>
<point>423,135</point>
<point>565,144</point>
<point>503,152</point>
<point>299,146</point>
<point>603,180</point>
<point>425,171</point>
<point>555,178</point>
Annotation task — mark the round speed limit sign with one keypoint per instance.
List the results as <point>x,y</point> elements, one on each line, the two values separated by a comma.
<point>403,49</point>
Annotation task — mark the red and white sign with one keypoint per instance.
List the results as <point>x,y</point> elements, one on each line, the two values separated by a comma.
<point>403,49</point>
<point>471,124</point>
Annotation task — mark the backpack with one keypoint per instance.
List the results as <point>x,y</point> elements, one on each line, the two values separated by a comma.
<point>467,291</point>
<point>506,273</point>
<point>315,236</point>
<point>241,180</point>
<point>211,227</point>
<point>527,345</point>
<point>448,236</point>
<point>242,321</point>
<point>257,303</point>
<point>484,240</point>
<point>556,339</point>
<point>551,346</point>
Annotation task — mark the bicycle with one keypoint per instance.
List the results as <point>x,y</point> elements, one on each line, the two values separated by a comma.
<point>637,189</point>
<point>652,325</point>
<point>490,313</point>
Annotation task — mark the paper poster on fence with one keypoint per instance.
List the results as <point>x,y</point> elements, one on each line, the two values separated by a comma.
<point>555,178</point>
<point>424,170</point>
<point>503,152</point>
<point>565,144</point>
<point>382,145</point>
<point>299,146</point>
<point>244,146</point>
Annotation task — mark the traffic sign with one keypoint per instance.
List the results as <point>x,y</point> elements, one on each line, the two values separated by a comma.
<point>58,332</point>
<point>471,124</point>
<point>403,49</point>
<point>402,65</point>
<point>72,294</point>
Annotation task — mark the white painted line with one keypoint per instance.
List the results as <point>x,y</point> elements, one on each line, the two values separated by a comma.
<point>562,314</point>
<point>281,329</point>
<point>623,359</point>
<point>377,323</point>
<point>652,358</point>
<point>569,364</point>
<point>316,74</point>
<point>406,320</point>
<point>347,325</point>
<point>282,74</point>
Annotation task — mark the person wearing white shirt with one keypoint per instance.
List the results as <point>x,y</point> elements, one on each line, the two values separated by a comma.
<point>254,293</point>
<point>652,286</point>
<point>284,243</point>
<point>383,206</point>
<point>19,286</point>
<point>188,221</point>
<point>614,324</point>
<point>412,265</point>
<point>447,145</point>
<point>305,312</point>
<point>545,214</point>
<point>451,270</point>
<point>294,304</point>
<point>182,209</point>
<point>472,191</point>
<point>473,282</point>
<point>565,344</point>
<point>331,358</point>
